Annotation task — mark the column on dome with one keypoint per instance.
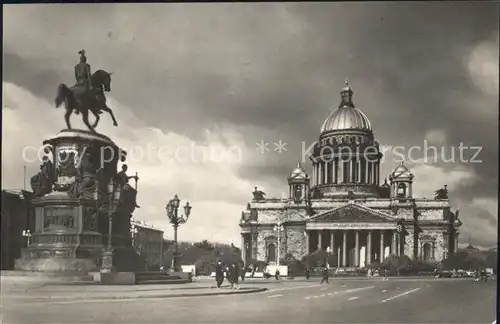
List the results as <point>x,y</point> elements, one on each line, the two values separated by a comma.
<point>331,175</point>
<point>327,170</point>
<point>362,170</point>
<point>370,172</point>
<point>377,172</point>
<point>321,168</point>
<point>340,166</point>
<point>358,166</point>
<point>353,169</point>
<point>335,170</point>
<point>346,171</point>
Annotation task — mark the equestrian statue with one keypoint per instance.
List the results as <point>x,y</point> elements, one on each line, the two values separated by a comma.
<point>87,94</point>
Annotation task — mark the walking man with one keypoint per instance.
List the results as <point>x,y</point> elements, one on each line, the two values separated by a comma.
<point>233,276</point>
<point>219,273</point>
<point>325,276</point>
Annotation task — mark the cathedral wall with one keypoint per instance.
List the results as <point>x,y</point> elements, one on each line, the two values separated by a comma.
<point>296,241</point>
<point>262,239</point>
<point>408,249</point>
<point>271,216</point>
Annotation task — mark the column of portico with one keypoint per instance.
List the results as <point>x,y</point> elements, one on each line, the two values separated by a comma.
<point>382,247</point>
<point>356,250</point>
<point>319,239</point>
<point>332,241</point>
<point>344,248</point>
<point>369,248</point>
<point>394,243</point>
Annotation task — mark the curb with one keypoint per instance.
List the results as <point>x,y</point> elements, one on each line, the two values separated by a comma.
<point>233,292</point>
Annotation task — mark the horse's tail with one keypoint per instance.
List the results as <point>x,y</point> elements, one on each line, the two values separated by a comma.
<point>63,93</point>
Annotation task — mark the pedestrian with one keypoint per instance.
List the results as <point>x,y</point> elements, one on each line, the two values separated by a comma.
<point>243,272</point>
<point>385,274</point>
<point>219,273</point>
<point>233,276</point>
<point>277,274</point>
<point>307,273</point>
<point>325,275</point>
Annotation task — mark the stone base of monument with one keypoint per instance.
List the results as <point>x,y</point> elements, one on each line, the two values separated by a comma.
<point>66,239</point>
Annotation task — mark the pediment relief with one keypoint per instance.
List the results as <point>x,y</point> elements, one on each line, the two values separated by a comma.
<point>352,213</point>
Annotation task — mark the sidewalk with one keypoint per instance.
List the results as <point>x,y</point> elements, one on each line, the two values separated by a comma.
<point>23,290</point>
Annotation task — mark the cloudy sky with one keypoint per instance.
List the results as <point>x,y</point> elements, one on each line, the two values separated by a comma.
<point>221,77</point>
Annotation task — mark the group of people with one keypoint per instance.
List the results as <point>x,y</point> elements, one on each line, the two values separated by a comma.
<point>233,272</point>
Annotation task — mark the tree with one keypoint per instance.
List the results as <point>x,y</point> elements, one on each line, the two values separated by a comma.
<point>316,259</point>
<point>205,245</point>
<point>397,264</point>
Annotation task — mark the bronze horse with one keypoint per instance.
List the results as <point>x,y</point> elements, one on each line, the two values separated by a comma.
<point>83,100</point>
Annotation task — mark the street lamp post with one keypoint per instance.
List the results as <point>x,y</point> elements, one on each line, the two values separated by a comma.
<point>114,192</point>
<point>176,220</point>
<point>278,228</point>
<point>134,231</point>
<point>27,234</point>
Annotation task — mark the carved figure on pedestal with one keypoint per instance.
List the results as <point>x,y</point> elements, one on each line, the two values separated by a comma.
<point>41,183</point>
<point>87,94</point>
<point>85,184</point>
<point>128,202</point>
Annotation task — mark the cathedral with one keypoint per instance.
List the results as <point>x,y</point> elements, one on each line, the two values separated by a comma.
<point>344,209</point>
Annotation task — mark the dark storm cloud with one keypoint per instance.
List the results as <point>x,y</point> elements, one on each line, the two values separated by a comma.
<point>280,67</point>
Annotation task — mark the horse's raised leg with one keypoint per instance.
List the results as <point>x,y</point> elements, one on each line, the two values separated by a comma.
<point>85,115</point>
<point>96,114</point>
<point>67,114</point>
<point>108,110</point>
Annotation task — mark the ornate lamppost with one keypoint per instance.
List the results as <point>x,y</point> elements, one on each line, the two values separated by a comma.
<point>134,231</point>
<point>27,235</point>
<point>114,191</point>
<point>278,228</point>
<point>176,220</point>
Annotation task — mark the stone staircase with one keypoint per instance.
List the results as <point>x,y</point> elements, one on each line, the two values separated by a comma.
<point>158,277</point>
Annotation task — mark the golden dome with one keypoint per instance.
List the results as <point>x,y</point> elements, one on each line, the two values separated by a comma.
<point>346,117</point>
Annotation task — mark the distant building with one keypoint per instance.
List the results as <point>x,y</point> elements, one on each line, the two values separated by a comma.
<point>149,243</point>
<point>17,216</point>
<point>346,206</point>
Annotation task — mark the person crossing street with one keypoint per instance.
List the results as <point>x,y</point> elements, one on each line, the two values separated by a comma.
<point>325,274</point>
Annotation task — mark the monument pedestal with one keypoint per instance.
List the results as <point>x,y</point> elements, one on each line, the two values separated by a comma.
<point>71,227</point>
<point>66,236</point>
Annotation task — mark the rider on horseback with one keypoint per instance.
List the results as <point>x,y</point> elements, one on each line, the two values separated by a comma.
<point>82,74</point>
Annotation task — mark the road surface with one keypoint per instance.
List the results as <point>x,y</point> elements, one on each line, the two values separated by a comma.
<point>342,301</point>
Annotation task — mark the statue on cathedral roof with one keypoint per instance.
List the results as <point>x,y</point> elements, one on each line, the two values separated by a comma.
<point>258,194</point>
<point>441,194</point>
